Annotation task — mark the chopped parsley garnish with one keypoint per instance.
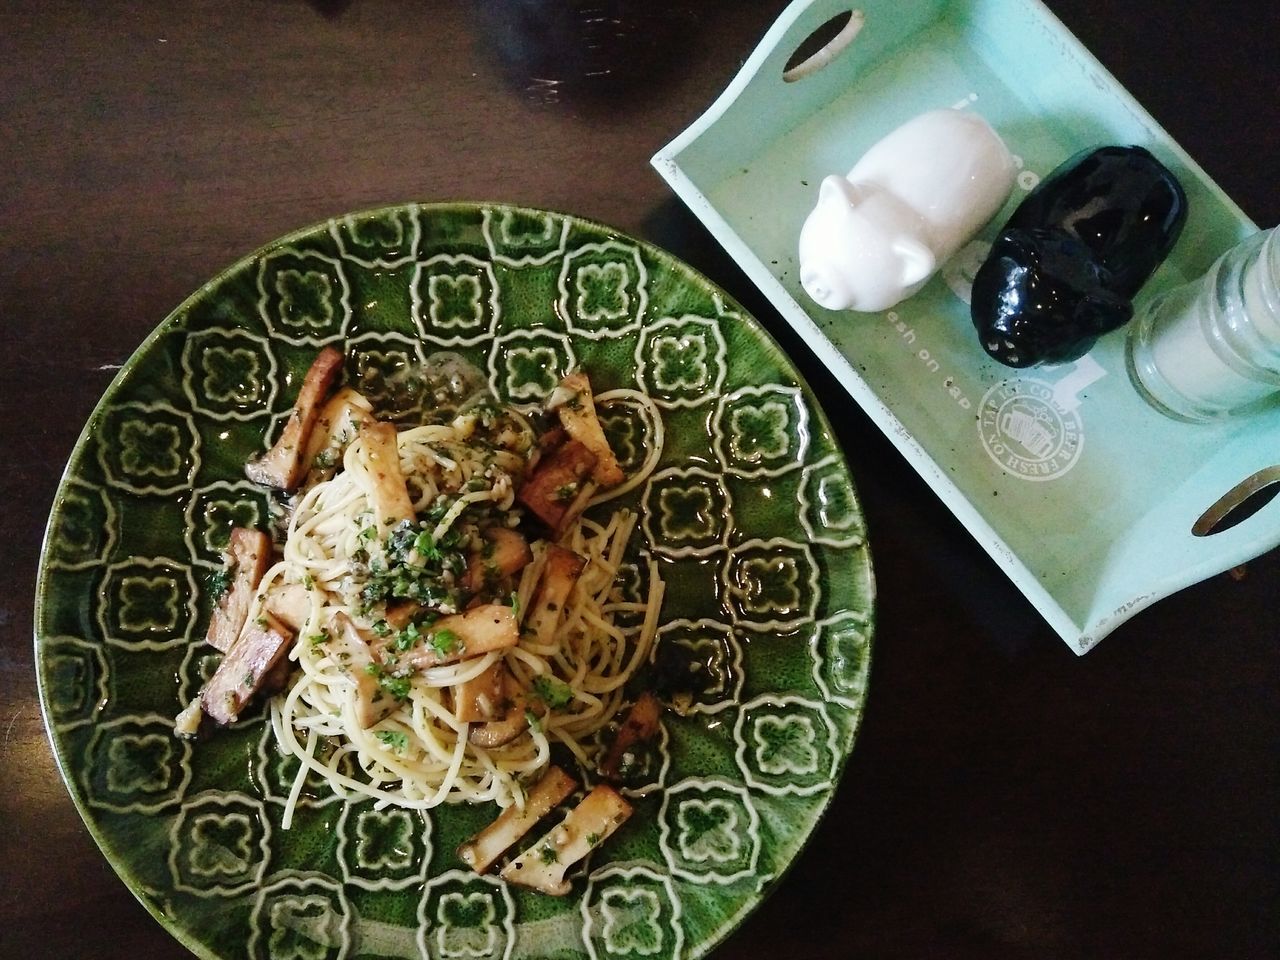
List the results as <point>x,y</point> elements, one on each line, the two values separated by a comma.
<point>424,545</point>
<point>408,637</point>
<point>551,691</point>
<point>397,687</point>
<point>445,642</point>
<point>565,492</point>
<point>515,604</point>
<point>593,839</point>
<point>248,679</point>
<point>381,627</point>
<point>395,739</point>
<point>369,533</point>
<point>416,568</point>
<point>531,718</point>
<point>318,638</point>
<point>323,460</point>
<point>547,854</point>
<point>309,582</point>
<point>220,581</point>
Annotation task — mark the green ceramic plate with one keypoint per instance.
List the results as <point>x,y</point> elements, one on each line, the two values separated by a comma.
<point>751,515</point>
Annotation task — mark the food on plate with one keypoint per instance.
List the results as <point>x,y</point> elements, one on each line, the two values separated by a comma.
<point>587,825</point>
<point>441,612</point>
<point>1067,264</point>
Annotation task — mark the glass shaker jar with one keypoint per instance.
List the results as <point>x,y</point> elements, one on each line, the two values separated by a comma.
<point>1211,348</point>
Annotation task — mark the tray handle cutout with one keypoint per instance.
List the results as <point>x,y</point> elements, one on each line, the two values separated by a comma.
<point>823,45</point>
<point>1239,503</point>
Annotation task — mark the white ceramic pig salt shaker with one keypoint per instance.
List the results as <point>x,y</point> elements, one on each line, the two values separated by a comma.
<point>912,201</point>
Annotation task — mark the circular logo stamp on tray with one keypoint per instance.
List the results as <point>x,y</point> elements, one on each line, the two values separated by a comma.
<point>1027,431</point>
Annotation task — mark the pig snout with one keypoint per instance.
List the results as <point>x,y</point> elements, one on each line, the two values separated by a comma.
<point>826,288</point>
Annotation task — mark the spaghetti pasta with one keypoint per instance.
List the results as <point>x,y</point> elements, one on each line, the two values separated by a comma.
<point>416,654</point>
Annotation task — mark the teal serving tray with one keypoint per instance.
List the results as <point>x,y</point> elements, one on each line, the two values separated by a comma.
<point>1092,502</point>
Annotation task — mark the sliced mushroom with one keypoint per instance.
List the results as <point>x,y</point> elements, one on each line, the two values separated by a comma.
<point>543,866</point>
<point>248,556</point>
<point>380,459</point>
<point>285,464</point>
<point>290,603</point>
<point>505,553</point>
<point>641,725</point>
<point>560,573</point>
<point>577,409</point>
<point>498,733</point>
<point>483,698</point>
<point>480,852</point>
<point>349,645</point>
<point>556,481</point>
<point>461,636</point>
<point>335,428</point>
<point>256,651</point>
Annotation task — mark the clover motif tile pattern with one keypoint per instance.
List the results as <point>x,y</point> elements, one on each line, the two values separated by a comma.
<point>631,912</point>
<point>603,289</point>
<point>841,653</point>
<point>228,374</point>
<point>492,287</point>
<point>761,431</point>
<point>146,603</point>
<point>829,510</point>
<point>698,665</point>
<point>682,361</point>
<point>219,845</point>
<point>383,849</point>
<point>772,584</point>
<point>148,448</point>
<point>78,681</point>
<point>523,238</point>
<point>134,764</point>
<point>786,745</point>
<point>687,512</point>
<point>455,300</point>
<point>525,365</point>
<point>379,242</point>
<point>86,533</point>
<point>466,916</point>
<point>710,831</point>
<point>300,917</point>
<point>304,297</point>
<point>213,510</point>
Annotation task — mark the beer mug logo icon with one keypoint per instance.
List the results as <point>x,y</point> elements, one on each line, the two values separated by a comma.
<point>1027,431</point>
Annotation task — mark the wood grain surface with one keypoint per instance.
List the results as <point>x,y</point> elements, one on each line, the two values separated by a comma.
<point>1005,799</point>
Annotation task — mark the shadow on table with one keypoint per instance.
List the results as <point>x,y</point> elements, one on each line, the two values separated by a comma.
<point>591,53</point>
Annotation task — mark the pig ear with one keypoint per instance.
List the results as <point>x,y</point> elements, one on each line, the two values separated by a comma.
<point>918,260</point>
<point>839,189</point>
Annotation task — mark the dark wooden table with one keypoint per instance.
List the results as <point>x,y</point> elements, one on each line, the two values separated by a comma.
<point>1005,799</point>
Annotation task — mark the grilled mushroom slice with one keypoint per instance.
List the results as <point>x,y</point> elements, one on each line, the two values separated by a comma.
<point>285,464</point>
